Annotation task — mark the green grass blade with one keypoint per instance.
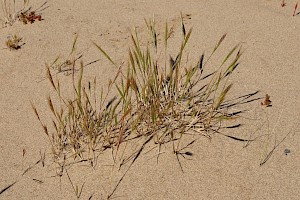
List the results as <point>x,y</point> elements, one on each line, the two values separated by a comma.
<point>220,42</point>
<point>74,44</point>
<point>105,54</point>
<point>222,96</point>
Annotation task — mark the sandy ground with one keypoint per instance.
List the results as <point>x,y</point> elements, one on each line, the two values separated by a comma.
<point>220,168</point>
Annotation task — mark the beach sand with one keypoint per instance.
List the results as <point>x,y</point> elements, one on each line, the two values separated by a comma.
<point>220,168</point>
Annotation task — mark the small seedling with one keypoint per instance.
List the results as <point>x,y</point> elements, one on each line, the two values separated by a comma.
<point>14,42</point>
<point>67,66</point>
<point>283,3</point>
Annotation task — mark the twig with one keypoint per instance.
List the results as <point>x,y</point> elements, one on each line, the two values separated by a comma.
<point>6,188</point>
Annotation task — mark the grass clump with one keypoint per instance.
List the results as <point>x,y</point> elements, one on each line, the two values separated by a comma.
<point>165,99</point>
<point>81,129</point>
<point>158,99</point>
<point>14,42</point>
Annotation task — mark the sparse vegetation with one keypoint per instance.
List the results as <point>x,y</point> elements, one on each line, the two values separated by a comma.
<point>67,65</point>
<point>14,42</point>
<point>157,101</point>
<point>163,102</point>
<point>29,17</point>
<point>13,12</point>
<point>10,14</point>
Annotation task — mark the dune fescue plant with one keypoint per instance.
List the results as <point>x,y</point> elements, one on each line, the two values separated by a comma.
<point>159,100</point>
<point>163,100</point>
<point>81,129</point>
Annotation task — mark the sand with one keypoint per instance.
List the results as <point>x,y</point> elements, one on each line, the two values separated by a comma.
<point>220,168</point>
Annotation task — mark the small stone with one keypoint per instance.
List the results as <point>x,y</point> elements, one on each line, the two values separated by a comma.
<point>287,151</point>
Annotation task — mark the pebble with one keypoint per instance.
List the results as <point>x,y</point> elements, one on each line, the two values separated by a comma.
<point>287,151</point>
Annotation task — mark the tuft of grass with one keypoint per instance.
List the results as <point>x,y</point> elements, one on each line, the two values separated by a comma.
<point>14,42</point>
<point>159,100</point>
<point>83,125</point>
<point>168,101</point>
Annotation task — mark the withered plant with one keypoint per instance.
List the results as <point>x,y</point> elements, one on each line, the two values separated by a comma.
<point>160,100</point>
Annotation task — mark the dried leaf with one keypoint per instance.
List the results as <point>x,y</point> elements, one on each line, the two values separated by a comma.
<point>266,102</point>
